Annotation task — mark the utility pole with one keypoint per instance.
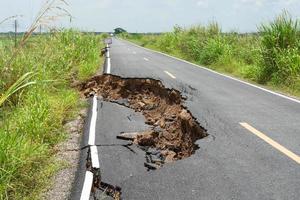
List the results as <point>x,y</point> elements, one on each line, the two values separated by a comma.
<point>16,30</point>
<point>40,29</point>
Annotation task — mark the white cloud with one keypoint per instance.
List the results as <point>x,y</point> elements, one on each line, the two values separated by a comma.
<point>288,2</point>
<point>260,3</point>
<point>202,3</point>
<point>257,3</point>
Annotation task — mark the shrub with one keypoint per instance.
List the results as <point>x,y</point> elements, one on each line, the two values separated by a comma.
<point>213,50</point>
<point>287,63</point>
<point>280,49</point>
<point>166,42</point>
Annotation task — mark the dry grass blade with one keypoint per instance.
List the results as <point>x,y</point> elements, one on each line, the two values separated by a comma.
<point>9,18</point>
<point>49,12</point>
<point>45,14</point>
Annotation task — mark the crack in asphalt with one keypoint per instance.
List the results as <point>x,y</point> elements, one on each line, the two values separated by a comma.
<point>174,130</point>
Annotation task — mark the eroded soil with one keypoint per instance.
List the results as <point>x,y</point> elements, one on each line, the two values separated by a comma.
<point>174,129</point>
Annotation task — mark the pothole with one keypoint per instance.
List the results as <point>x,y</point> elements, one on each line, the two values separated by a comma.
<point>174,130</point>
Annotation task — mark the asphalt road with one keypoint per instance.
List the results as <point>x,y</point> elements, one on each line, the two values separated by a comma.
<point>232,163</point>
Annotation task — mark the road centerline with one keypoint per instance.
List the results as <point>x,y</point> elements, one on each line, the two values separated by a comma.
<point>215,72</point>
<point>146,59</point>
<point>171,75</point>
<point>271,142</point>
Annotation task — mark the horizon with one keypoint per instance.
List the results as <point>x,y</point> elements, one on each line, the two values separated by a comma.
<point>242,16</point>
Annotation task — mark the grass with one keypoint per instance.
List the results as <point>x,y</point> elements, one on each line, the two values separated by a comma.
<point>32,118</point>
<point>21,83</point>
<point>270,57</point>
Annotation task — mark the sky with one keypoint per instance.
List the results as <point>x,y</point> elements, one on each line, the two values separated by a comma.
<point>153,15</point>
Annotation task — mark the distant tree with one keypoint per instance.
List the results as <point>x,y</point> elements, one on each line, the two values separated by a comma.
<point>119,30</point>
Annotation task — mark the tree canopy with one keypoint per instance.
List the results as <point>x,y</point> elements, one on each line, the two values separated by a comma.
<point>119,30</point>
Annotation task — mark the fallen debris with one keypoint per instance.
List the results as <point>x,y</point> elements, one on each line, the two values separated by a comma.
<point>151,166</point>
<point>128,136</point>
<point>148,138</point>
<point>174,129</point>
<point>110,190</point>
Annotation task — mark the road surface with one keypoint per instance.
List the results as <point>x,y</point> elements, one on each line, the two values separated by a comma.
<point>253,147</point>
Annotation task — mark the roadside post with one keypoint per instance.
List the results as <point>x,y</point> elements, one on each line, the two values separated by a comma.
<point>107,41</point>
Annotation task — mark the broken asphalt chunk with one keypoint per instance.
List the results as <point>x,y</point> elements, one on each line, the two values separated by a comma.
<point>127,136</point>
<point>151,166</point>
<point>174,128</point>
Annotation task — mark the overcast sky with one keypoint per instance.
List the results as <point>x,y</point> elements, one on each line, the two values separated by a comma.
<point>155,15</point>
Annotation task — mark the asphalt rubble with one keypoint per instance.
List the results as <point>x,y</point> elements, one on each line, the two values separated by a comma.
<point>173,131</point>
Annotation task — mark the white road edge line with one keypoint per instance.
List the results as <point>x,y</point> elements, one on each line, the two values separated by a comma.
<point>94,157</point>
<point>92,131</point>
<point>87,186</point>
<point>171,75</point>
<point>108,64</point>
<point>146,59</point>
<point>210,70</point>
<point>88,180</point>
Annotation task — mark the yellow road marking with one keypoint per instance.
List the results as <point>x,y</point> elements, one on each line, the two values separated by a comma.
<point>273,143</point>
<point>171,75</point>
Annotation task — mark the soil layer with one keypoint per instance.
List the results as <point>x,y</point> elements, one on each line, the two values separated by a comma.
<point>174,129</point>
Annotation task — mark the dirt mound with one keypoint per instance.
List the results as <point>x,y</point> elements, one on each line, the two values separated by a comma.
<point>174,131</point>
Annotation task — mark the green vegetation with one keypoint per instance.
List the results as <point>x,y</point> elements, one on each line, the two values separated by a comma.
<point>119,30</point>
<point>281,52</point>
<point>270,57</point>
<point>36,100</point>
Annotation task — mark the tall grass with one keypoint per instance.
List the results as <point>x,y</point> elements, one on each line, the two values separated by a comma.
<point>280,50</point>
<point>31,122</point>
<point>271,56</point>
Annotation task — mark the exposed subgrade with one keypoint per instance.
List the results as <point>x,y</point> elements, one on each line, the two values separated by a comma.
<point>174,129</point>
<point>173,133</point>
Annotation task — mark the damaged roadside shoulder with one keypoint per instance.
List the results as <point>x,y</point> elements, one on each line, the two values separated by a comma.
<point>172,135</point>
<point>81,163</point>
<point>68,153</point>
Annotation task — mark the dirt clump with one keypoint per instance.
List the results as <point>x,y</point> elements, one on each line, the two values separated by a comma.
<point>148,138</point>
<point>174,131</point>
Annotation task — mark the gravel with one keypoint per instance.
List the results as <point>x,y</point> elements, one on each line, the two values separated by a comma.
<point>67,152</point>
